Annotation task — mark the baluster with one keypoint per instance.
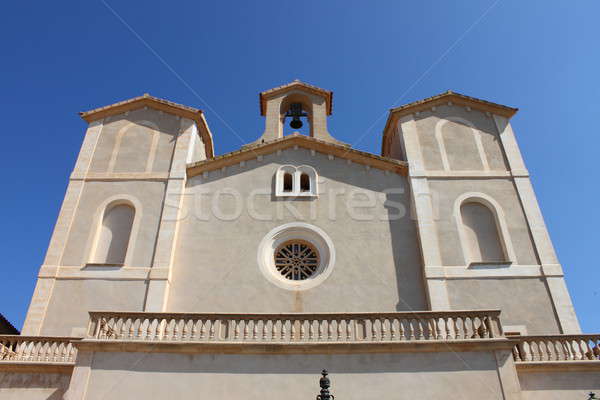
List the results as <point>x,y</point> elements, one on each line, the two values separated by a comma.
<point>246,323</point>
<point>45,351</point>
<point>302,330</point>
<point>67,352</point>
<point>329,329</point>
<point>139,331</point>
<point>411,329</point>
<point>264,329</point>
<point>254,329</point>
<point>236,325</point>
<point>149,333</point>
<point>130,324</point>
<point>460,328</point>
<point>202,323</point>
<point>476,325</point>
<point>449,326</point>
<point>401,331</point>
<point>373,329</point>
<point>35,355</point>
<point>382,322</point>
<point>274,330</point>
<point>293,330</point>
<point>283,331</point>
<point>550,351</point>
<point>212,329</point>
<point>570,350</point>
<point>580,350</point>
<point>184,329</point>
<point>421,329</point>
<point>175,329</point>
<point>338,324</point>
<point>194,332</point>
<point>320,329</point>
<point>348,330</point>
<point>485,328</point>
<point>311,329</point>
<point>393,328</point>
<point>123,327</point>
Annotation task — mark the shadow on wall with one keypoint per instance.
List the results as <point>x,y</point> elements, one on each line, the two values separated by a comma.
<point>409,274</point>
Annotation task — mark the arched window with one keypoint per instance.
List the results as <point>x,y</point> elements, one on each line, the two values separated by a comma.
<point>294,181</point>
<point>304,183</point>
<point>483,241</point>
<point>115,231</point>
<point>288,182</point>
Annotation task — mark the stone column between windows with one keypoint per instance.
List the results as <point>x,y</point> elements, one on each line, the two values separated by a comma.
<point>48,270</point>
<point>550,266</point>
<point>161,271</point>
<point>437,290</point>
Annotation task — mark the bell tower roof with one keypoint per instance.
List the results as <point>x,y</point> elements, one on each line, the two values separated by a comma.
<point>296,84</point>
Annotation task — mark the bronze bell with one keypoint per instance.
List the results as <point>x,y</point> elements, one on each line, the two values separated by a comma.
<point>296,112</point>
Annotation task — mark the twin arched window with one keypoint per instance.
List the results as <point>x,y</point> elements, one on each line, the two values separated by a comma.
<point>296,181</point>
<point>114,233</point>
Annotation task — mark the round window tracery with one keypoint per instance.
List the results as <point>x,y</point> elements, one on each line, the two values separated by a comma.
<point>296,260</point>
<point>296,256</point>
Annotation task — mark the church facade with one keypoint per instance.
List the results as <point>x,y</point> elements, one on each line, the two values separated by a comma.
<point>423,272</point>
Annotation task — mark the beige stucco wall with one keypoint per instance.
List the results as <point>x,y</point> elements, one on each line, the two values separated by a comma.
<point>222,376</point>
<point>72,299</point>
<point>32,385</point>
<point>458,139</point>
<point>148,194</point>
<point>135,132</point>
<point>523,301</point>
<point>378,264</point>
<point>447,191</point>
<point>559,384</point>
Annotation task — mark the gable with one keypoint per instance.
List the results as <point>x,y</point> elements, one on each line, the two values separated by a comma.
<point>156,103</point>
<point>297,140</point>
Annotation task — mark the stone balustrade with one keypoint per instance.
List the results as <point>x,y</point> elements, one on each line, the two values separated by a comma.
<point>296,328</point>
<point>37,349</point>
<point>556,348</point>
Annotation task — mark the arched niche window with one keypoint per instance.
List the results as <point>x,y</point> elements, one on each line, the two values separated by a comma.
<point>296,181</point>
<point>484,233</point>
<point>460,145</point>
<point>481,233</point>
<point>135,147</point>
<point>114,234</point>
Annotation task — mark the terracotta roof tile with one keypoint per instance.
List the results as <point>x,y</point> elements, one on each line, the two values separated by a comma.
<point>341,151</point>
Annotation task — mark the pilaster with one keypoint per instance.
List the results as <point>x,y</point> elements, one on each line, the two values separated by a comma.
<point>551,268</point>
<point>160,275</point>
<point>437,290</point>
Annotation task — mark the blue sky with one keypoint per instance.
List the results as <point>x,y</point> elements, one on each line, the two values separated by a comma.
<point>59,58</point>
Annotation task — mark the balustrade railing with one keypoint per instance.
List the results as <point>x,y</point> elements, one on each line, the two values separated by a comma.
<point>14,348</point>
<point>295,328</point>
<point>556,348</point>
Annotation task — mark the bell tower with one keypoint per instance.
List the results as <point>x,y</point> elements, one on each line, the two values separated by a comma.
<point>295,102</point>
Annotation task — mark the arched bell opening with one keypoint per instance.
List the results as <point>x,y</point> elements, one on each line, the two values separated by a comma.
<point>296,115</point>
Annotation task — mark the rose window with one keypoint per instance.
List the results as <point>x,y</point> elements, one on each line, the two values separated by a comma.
<point>296,260</point>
